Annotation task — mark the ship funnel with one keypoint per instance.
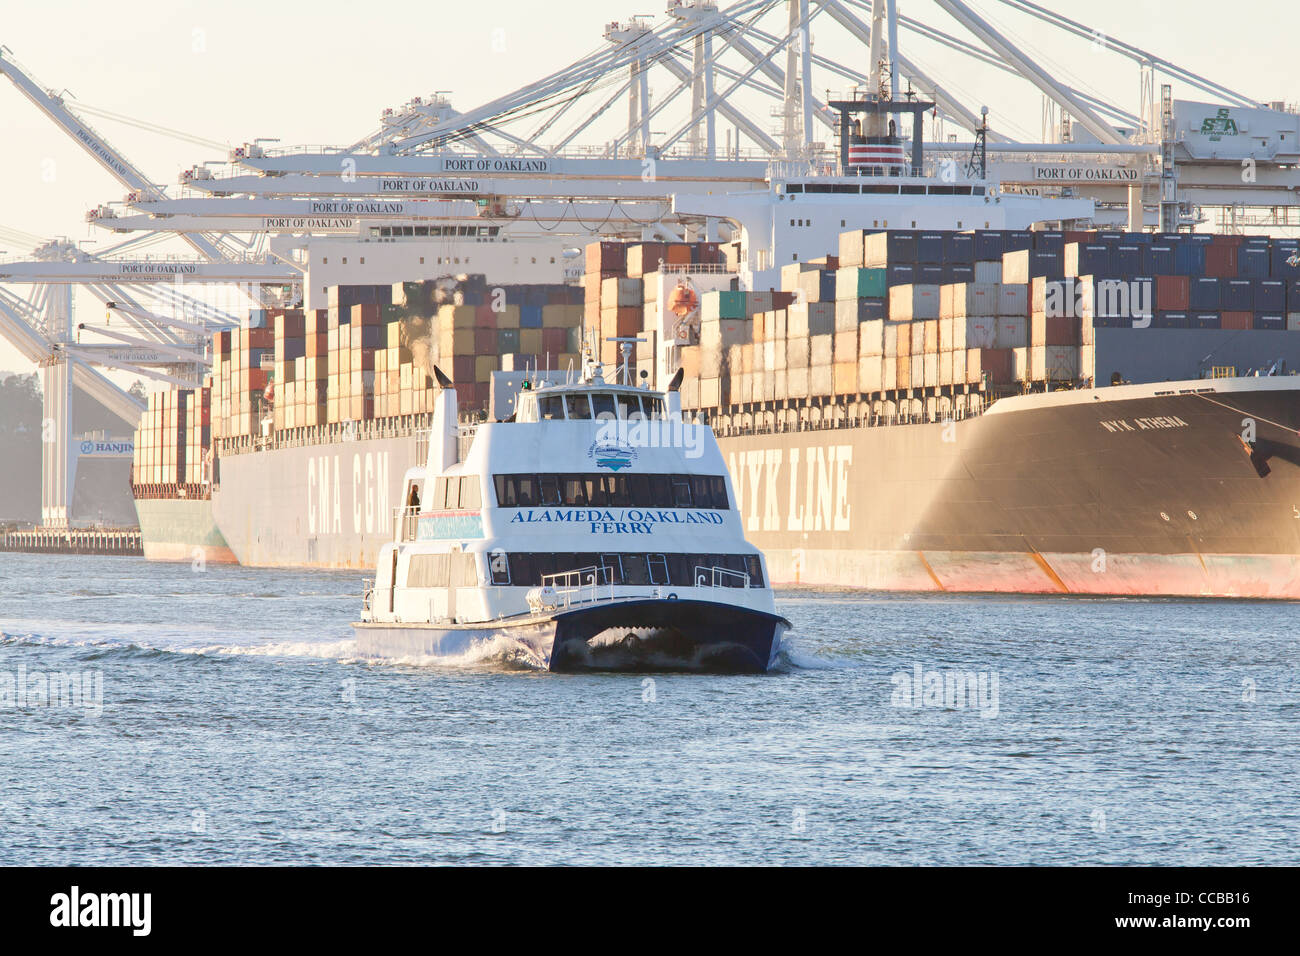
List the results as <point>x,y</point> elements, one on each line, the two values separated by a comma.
<point>674,396</point>
<point>444,449</point>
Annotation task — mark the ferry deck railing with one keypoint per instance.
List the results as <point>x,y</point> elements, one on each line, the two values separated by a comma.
<point>406,524</point>
<point>716,577</point>
<point>580,586</point>
<point>368,600</point>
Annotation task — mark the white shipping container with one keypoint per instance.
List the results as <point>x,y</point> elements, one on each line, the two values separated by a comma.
<point>1013,299</point>
<point>910,302</point>
<point>870,374</point>
<point>976,332</point>
<point>1293,321</point>
<point>1015,267</point>
<point>1011,332</point>
<point>972,298</point>
<point>888,374</point>
<point>796,352</point>
<point>931,363</point>
<point>892,331</point>
<point>988,272</point>
<point>1054,363</point>
<point>1020,365</point>
<point>871,338</point>
<point>796,382</point>
<point>959,366</point>
<point>821,350</point>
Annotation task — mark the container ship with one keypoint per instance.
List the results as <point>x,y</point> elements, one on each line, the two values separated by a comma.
<point>916,385</point>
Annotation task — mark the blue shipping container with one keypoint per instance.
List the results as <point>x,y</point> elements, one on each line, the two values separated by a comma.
<point>1206,320</point>
<point>1270,295</point>
<point>1236,295</point>
<point>989,245</point>
<point>1204,293</point>
<point>1253,262</point>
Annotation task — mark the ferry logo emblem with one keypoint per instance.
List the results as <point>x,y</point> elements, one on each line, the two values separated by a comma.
<point>611,455</point>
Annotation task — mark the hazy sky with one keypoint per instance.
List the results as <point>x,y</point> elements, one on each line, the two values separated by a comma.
<point>320,72</point>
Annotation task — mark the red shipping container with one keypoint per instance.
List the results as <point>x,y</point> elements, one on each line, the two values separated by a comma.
<point>462,370</point>
<point>1238,320</point>
<point>1223,239</point>
<point>1221,260</point>
<point>484,317</point>
<point>1173,293</point>
<point>555,341</point>
<point>996,365</point>
<point>1054,330</point>
<point>365,315</point>
<point>485,342</point>
<point>678,254</point>
<point>606,257</point>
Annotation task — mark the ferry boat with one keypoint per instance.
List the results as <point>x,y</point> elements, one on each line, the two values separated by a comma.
<point>596,528</point>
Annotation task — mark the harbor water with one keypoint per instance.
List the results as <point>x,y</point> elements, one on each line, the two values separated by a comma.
<point>178,713</point>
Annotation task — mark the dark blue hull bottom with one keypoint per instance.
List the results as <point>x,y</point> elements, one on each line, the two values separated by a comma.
<point>667,636</point>
<point>637,636</point>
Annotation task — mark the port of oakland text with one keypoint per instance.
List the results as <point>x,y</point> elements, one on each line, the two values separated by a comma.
<point>1143,424</point>
<point>429,186</point>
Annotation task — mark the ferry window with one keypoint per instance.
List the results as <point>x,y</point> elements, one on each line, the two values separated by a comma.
<point>634,569</point>
<point>661,492</point>
<point>575,491</point>
<point>595,491</point>
<point>719,492</point>
<point>657,565</point>
<point>505,491</point>
<point>654,408</point>
<point>469,493</point>
<point>523,570</point>
<point>452,499</point>
<point>681,491</point>
<point>629,406</point>
<point>794,188</point>
<point>499,567</point>
<point>613,566</point>
<point>427,571</point>
<point>566,562</point>
<point>578,406</point>
<point>617,491</point>
<point>754,567</point>
<point>551,407</point>
<point>466,571</point>
<point>639,486</point>
<point>545,565</point>
<point>549,489</point>
<point>702,491</point>
<point>525,491</point>
<point>603,405</point>
<point>680,569</point>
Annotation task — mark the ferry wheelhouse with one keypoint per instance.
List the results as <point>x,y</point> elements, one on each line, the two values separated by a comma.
<point>596,527</point>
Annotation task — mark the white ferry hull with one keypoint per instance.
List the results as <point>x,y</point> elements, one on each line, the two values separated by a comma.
<point>633,635</point>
